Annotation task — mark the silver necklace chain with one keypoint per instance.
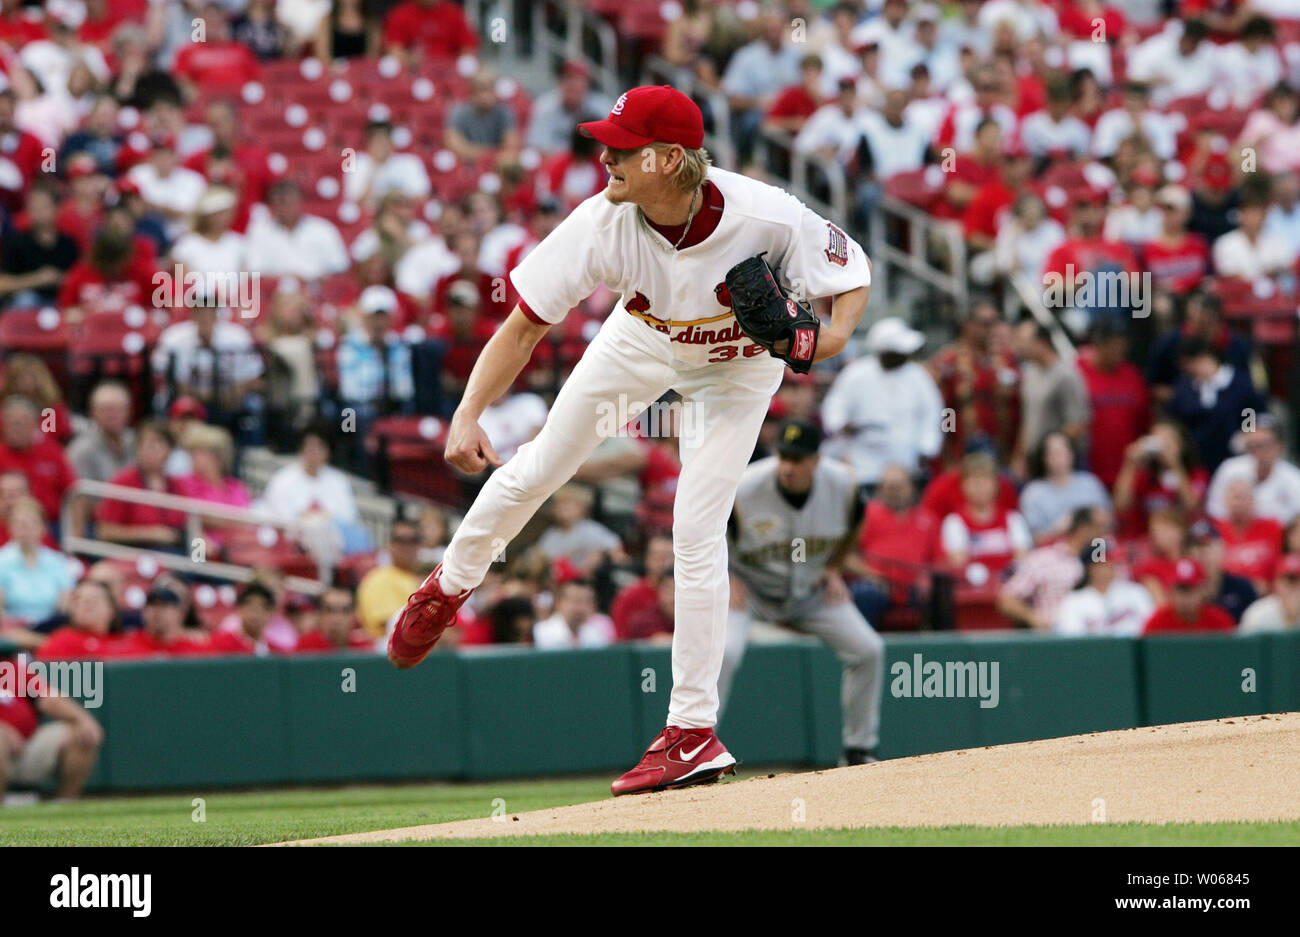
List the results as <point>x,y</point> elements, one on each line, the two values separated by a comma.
<point>690,216</point>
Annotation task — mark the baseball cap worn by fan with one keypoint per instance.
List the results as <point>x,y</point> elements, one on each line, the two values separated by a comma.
<point>649,114</point>
<point>1188,574</point>
<point>892,334</point>
<point>798,439</point>
<point>378,299</point>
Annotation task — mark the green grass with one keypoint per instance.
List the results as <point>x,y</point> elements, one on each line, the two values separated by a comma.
<point>246,818</point>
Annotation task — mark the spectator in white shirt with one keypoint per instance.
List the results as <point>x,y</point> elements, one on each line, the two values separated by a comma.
<point>894,142</point>
<point>833,130</point>
<point>1026,239</point>
<point>1281,610</point>
<point>283,240</point>
<point>941,59</point>
<point>891,31</point>
<point>1135,118</point>
<point>1054,131</point>
<point>756,74</point>
<point>1177,63</point>
<point>1275,481</point>
<point>884,409</point>
<point>1103,603</point>
<point>379,169</point>
<point>1250,67</point>
<point>1029,18</point>
<point>310,491</point>
<point>208,357</point>
<point>212,247</point>
<point>511,420</point>
<point>556,112</point>
<point>167,187</point>
<point>1283,221</point>
<point>576,623</point>
<point>1139,220</point>
<point>1249,252</point>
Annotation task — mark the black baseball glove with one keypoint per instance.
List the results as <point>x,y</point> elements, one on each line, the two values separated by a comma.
<point>786,327</point>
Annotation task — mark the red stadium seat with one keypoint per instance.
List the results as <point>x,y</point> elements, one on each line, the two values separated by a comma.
<point>33,330</point>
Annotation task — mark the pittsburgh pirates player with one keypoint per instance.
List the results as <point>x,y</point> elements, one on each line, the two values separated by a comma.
<point>795,517</point>
<point>663,235</point>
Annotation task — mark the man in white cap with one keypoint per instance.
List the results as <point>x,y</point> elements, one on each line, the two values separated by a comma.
<point>884,409</point>
<point>374,369</point>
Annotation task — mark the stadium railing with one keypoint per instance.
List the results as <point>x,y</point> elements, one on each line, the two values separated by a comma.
<point>73,541</point>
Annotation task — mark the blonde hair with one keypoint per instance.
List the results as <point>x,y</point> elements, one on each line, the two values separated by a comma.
<point>214,439</point>
<point>29,505</point>
<point>692,170</point>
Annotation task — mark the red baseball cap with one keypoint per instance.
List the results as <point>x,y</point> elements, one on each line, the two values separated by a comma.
<point>649,114</point>
<point>1288,565</point>
<point>1188,573</point>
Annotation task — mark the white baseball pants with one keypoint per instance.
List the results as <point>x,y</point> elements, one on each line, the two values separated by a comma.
<point>860,649</point>
<point>629,365</point>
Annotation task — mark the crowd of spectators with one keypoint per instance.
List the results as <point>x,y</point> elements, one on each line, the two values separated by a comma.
<point>1139,484</point>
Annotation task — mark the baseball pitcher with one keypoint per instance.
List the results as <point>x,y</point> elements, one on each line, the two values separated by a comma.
<point>713,270</point>
<point>796,516</point>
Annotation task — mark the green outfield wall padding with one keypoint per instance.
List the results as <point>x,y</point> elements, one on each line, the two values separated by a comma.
<point>1190,677</point>
<point>517,712</point>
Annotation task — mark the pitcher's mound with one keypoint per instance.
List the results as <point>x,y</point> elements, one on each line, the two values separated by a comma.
<point>1236,769</point>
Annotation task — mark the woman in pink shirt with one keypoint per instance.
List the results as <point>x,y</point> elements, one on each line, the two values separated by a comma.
<point>212,453</point>
<point>1274,130</point>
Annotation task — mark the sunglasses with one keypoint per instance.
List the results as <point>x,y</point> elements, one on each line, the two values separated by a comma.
<point>404,540</point>
<point>340,609</point>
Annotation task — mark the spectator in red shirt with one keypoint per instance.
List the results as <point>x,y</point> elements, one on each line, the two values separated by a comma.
<point>28,376</point>
<point>1251,543</point>
<point>1167,538</point>
<point>255,606</point>
<point>979,384</point>
<point>113,276</point>
<point>796,104</point>
<point>981,539</point>
<point>1159,472</point>
<point>898,539</point>
<point>66,745</point>
<point>970,171</point>
<point>91,631</point>
<point>1121,407</point>
<point>250,171</point>
<point>37,454</point>
<point>336,625</point>
<point>1085,250</point>
<point>1188,609</point>
<point>1177,259</point>
<point>986,210</point>
<point>163,634</point>
<point>643,594</point>
<point>943,495</point>
<point>428,29</point>
<point>655,622</point>
<point>142,524</point>
<point>21,155</point>
<point>217,63</point>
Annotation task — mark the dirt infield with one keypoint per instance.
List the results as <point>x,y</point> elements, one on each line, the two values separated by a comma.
<point>1238,769</point>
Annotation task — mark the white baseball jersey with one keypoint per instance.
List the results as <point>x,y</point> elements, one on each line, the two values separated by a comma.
<point>681,293</point>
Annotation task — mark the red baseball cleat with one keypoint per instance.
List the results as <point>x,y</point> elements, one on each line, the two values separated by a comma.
<point>428,613</point>
<point>677,758</point>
